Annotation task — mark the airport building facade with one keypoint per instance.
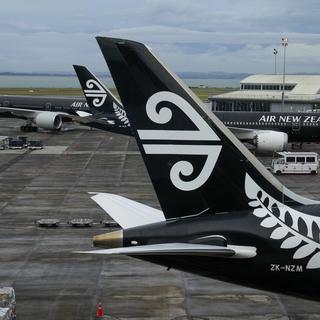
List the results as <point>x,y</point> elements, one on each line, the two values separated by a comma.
<point>263,93</point>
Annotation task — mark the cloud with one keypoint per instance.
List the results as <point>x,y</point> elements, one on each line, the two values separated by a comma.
<point>202,35</point>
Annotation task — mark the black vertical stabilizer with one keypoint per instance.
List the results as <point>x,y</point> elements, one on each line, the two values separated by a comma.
<point>102,103</point>
<point>195,163</point>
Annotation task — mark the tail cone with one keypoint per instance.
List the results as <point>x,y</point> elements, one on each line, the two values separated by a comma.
<point>112,239</point>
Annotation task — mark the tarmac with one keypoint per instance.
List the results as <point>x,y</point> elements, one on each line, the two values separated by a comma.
<point>51,282</point>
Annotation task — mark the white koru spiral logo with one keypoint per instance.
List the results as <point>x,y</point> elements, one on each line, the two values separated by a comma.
<point>296,230</point>
<point>96,91</point>
<point>204,133</point>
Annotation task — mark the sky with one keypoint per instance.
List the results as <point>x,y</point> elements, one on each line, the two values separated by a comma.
<point>196,36</point>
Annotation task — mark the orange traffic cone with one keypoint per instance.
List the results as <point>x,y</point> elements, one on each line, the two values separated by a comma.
<point>100,311</point>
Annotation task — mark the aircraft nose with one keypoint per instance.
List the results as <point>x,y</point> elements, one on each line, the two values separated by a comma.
<point>108,240</point>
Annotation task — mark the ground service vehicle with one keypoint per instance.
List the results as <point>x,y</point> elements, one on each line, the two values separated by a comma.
<point>16,144</point>
<point>35,145</point>
<point>296,163</point>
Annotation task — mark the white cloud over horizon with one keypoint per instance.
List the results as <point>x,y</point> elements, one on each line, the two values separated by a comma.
<point>204,36</point>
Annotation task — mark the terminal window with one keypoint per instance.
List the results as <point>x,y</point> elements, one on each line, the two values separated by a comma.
<point>277,87</point>
<point>249,106</point>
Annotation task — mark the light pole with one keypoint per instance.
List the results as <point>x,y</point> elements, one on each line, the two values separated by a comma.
<point>284,42</point>
<point>275,52</point>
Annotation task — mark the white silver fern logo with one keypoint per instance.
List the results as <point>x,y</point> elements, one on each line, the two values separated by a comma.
<point>295,229</point>
<point>204,133</point>
<point>96,91</point>
<point>121,115</point>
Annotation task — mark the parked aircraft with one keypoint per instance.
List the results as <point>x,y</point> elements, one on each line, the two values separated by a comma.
<point>223,214</point>
<point>265,131</point>
<point>50,112</point>
<point>271,131</point>
<point>44,112</point>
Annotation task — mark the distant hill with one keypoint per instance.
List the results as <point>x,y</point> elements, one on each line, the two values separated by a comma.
<point>182,74</point>
<point>186,75</point>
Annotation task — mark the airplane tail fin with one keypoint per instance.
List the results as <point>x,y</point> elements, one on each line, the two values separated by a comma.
<point>195,163</point>
<point>102,103</point>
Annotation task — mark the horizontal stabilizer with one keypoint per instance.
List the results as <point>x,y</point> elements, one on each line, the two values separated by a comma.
<point>127,213</point>
<point>240,252</point>
<point>83,114</point>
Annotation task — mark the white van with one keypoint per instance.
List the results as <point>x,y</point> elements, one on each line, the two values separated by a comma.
<point>296,163</point>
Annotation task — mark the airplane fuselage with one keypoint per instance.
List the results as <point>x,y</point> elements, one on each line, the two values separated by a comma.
<point>45,103</point>
<point>300,126</point>
<point>273,268</point>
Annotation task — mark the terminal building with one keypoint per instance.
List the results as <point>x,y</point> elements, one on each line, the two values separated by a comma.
<point>264,93</point>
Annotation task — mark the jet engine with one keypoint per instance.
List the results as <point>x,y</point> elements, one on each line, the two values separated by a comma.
<point>271,141</point>
<point>48,120</point>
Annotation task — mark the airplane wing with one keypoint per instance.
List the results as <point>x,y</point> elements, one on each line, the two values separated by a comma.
<point>244,133</point>
<point>28,113</point>
<point>239,252</point>
<point>126,212</point>
<point>236,129</point>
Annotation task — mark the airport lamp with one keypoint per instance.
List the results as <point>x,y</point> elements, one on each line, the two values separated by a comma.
<point>284,42</point>
<point>275,52</point>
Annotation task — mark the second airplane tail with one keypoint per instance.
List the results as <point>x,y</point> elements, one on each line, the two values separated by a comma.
<point>102,103</point>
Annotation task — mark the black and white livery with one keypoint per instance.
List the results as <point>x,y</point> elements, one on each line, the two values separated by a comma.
<point>223,214</point>
<point>103,105</point>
